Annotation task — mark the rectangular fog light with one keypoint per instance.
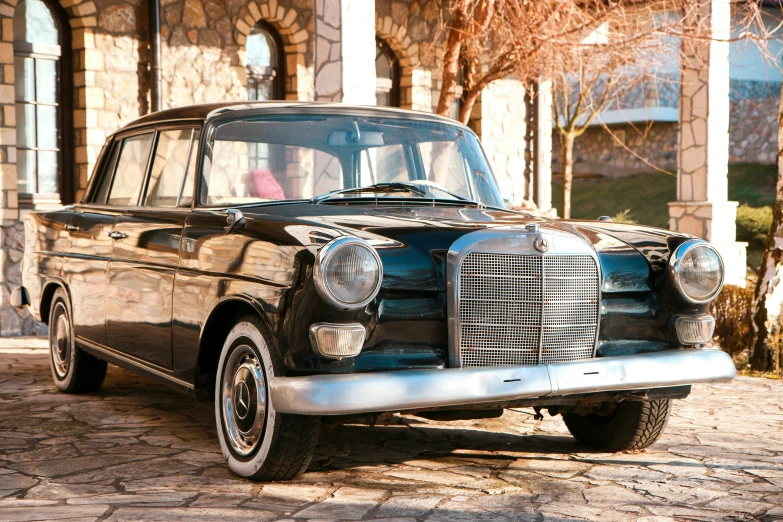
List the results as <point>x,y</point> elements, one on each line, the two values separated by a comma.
<point>695,330</point>
<point>337,341</point>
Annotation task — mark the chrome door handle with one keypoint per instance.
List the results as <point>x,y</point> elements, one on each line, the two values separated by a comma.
<point>72,228</point>
<point>117,235</point>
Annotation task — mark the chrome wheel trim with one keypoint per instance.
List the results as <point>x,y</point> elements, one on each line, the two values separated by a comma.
<point>60,341</point>
<point>243,400</point>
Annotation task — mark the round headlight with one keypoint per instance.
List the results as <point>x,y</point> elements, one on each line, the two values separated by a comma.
<point>697,271</point>
<point>348,273</point>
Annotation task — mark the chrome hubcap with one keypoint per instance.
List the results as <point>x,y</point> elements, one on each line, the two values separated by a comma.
<point>243,400</point>
<point>61,341</point>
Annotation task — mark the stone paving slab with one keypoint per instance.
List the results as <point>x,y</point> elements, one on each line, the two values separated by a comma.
<point>139,451</point>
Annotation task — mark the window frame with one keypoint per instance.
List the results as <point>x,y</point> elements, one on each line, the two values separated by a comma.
<point>279,70</point>
<point>65,176</point>
<point>396,72</point>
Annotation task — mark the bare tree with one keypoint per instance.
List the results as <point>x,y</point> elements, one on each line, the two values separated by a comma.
<point>768,296</point>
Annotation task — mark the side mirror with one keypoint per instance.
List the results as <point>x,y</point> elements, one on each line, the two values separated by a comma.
<point>234,219</point>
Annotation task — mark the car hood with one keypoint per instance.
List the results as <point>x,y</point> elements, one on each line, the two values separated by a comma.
<point>413,239</point>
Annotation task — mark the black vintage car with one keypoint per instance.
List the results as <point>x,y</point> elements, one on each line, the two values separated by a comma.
<point>296,262</point>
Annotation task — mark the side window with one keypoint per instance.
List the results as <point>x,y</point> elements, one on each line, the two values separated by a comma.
<point>172,173</point>
<point>106,173</point>
<point>131,167</point>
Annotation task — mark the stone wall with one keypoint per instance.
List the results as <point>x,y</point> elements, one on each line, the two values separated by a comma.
<point>596,152</point>
<point>752,135</point>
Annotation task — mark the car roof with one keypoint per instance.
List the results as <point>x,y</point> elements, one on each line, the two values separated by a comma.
<point>206,111</point>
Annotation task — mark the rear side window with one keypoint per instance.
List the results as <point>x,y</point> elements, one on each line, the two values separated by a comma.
<point>170,179</point>
<point>131,167</point>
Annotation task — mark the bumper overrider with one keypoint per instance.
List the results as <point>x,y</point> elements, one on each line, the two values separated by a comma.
<point>414,389</point>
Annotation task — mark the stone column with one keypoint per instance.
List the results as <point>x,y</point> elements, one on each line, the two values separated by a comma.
<point>702,208</point>
<point>345,51</point>
<point>542,188</point>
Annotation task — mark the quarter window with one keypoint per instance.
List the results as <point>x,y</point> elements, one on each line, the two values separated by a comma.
<point>171,169</point>
<point>131,167</point>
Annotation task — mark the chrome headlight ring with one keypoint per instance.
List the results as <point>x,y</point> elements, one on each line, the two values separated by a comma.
<point>320,270</point>
<point>675,269</point>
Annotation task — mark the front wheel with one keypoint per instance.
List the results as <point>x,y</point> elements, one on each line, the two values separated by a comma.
<point>633,425</point>
<point>257,442</point>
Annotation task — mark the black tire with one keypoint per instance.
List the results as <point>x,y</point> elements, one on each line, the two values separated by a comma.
<point>257,442</point>
<point>73,370</point>
<point>634,425</point>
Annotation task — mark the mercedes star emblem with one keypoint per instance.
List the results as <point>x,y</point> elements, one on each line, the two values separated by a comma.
<point>541,244</point>
<point>243,399</point>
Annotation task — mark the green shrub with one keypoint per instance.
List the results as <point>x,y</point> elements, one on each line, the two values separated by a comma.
<point>753,225</point>
<point>733,315</point>
<point>624,217</point>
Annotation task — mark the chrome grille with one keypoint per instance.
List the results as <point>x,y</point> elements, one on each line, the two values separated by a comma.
<point>526,309</point>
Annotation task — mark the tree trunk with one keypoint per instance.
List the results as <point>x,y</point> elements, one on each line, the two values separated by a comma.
<point>451,65</point>
<point>769,289</point>
<point>568,172</point>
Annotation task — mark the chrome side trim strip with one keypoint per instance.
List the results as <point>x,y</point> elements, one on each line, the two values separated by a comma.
<point>132,363</point>
<point>412,389</point>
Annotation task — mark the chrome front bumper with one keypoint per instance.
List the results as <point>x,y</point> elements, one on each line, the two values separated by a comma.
<point>412,389</point>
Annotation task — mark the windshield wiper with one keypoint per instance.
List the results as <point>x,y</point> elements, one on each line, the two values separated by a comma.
<point>378,187</point>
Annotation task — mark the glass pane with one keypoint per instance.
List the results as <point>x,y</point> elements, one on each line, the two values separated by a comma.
<point>444,166</point>
<point>46,76</point>
<point>47,127</point>
<point>24,77</point>
<point>264,90</point>
<point>261,49</point>
<point>25,168</point>
<point>39,23</point>
<point>383,99</point>
<point>297,157</point>
<point>47,172</point>
<point>25,125</point>
<point>383,63</point>
<point>186,195</point>
<point>130,171</point>
<point>106,174</point>
<point>168,168</point>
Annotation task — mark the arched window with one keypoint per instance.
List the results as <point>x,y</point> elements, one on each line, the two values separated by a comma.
<point>41,68</point>
<point>387,75</point>
<point>265,62</point>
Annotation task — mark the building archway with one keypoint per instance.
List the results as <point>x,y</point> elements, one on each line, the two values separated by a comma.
<point>293,38</point>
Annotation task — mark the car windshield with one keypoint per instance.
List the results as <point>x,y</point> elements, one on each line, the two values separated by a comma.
<point>295,157</point>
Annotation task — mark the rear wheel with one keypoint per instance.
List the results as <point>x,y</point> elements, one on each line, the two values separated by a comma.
<point>633,425</point>
<point>73,370</point>
<point>257,442</point>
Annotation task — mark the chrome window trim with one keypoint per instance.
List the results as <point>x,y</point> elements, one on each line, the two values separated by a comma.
<point>319,277</point>
<point>674,264</point>
<point>508,240</point>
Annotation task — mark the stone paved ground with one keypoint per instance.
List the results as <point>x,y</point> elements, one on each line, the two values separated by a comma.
<point>139,451</point>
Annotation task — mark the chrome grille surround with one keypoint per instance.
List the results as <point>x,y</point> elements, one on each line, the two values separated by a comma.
<point>510,305</point>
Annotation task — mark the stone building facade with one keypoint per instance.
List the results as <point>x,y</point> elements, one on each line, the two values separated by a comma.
<point>211,50</point>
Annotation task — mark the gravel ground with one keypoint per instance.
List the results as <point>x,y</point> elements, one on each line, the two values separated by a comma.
<point>139,451</point>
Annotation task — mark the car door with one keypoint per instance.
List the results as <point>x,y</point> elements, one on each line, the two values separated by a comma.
<point>89,250</point>
<point>147,239</point>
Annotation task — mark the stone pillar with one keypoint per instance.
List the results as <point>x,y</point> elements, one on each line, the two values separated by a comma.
<point>345,51</point>
<point>702,208</point>
<point>542,188</point>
